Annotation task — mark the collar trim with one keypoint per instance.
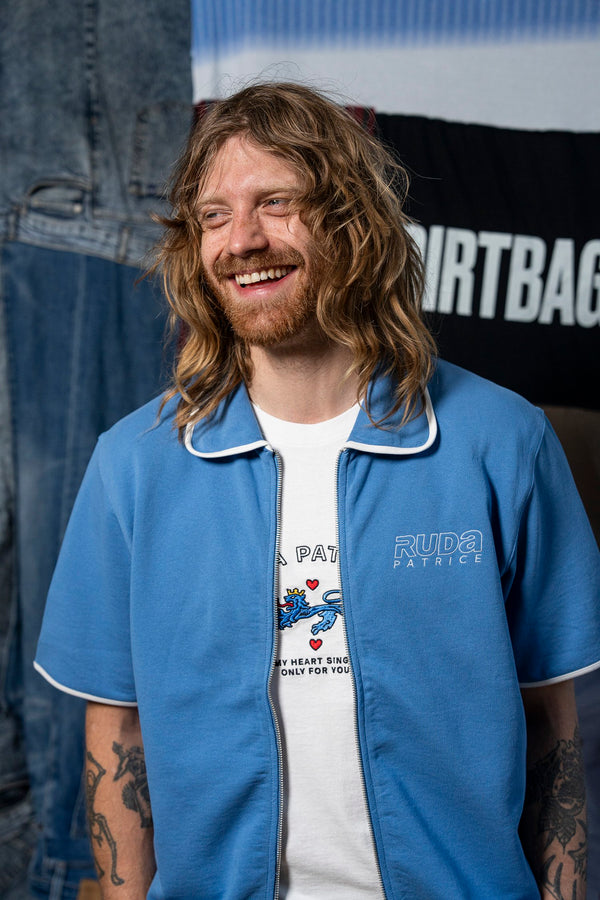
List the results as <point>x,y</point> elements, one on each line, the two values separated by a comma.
<point>217,454</point>
<point>403,451</point>
<point>239,421</point>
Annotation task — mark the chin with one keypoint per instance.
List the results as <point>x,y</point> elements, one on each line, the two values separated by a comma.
<point>269,334</point>
<point>270,327</point>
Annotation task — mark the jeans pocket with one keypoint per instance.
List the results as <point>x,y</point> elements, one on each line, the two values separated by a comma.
<point>57,197</point>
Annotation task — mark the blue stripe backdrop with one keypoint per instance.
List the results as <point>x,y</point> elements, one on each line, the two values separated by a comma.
<point>220,26</point>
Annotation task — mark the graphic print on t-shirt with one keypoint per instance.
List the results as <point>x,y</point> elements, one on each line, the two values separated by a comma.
<point>310,611</point>
<point>296,607</point>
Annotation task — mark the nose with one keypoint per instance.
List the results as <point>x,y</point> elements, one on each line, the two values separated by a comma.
<point>246,234</point>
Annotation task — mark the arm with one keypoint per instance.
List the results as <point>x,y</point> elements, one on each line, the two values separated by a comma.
<point>553,825</point>
<point>118,802</point>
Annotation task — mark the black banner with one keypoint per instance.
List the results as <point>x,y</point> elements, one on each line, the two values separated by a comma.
<point>508,225</point>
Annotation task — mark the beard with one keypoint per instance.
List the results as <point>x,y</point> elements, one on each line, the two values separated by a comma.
<point>269,321</point>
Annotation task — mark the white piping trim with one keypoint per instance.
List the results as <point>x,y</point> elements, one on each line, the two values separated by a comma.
<point>404,451</point>
<point>559,678</point>
<point>356,445</point>
<point>215,454</point>
<point>80,694</point>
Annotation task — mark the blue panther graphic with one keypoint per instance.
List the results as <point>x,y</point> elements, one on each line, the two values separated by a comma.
<point>295,607</point>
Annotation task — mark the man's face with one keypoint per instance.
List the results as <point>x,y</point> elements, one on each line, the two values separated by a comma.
<point>258,257</point>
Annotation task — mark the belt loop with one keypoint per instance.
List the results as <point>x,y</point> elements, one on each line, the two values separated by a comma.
<point>123,244</point>
<point>12,220</point>
<point>58,878</point>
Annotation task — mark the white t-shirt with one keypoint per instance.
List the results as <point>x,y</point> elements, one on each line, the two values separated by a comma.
<point>327,847</point>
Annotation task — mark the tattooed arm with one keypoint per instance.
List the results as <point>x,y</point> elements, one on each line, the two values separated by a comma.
<point>553,826</point>
<point>118,802</point>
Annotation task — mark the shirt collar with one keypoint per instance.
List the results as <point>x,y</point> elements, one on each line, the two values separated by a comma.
<point>234,430</point>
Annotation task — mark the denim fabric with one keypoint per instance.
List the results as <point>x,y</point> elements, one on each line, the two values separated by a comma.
<point>86,347</point>
<point>16,831</point>
<point>95,105</point>
<point>96,95</point>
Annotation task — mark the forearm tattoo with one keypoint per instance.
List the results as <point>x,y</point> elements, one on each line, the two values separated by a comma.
<point>99,830</point>
<point>556,791</point>
<point>135,796</point>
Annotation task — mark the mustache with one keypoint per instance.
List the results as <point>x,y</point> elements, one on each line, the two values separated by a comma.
<point>230,265</point>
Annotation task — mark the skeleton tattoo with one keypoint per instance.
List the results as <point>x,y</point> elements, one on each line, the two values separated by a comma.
<point>135,795</point>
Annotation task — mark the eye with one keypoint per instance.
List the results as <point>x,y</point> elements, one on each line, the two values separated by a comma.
<point>278,206</point>
<point>213,218</point>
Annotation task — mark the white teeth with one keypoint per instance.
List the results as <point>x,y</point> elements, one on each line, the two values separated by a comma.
<point>262,275</point>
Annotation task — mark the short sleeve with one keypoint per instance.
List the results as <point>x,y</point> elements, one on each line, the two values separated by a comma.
<point>84,645</point>
<point>553,605</point>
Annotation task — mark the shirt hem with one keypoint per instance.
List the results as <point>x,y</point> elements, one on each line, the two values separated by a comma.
<point>558,678</point>
<point>93,697</point>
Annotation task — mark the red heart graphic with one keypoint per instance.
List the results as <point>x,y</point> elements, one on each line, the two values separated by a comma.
<point>312,584</point>
<point>316,643</point>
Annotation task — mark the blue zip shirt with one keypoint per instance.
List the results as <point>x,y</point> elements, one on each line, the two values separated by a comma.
<point>468,569</point>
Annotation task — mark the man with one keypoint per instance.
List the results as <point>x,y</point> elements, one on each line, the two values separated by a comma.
<point>303,591</point>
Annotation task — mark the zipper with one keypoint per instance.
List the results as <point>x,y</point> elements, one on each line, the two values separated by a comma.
<point>278,461</point>
<point>353,679</point>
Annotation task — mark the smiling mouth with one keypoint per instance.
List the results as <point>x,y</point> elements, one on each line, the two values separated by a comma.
<point>272,274</point>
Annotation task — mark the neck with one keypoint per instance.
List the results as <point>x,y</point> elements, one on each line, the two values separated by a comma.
<point>304,382</point>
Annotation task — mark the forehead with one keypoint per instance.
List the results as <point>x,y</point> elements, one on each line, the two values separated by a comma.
<point>240,163</point>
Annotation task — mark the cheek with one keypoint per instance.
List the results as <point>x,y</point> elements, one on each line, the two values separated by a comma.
<point>301,235</point>
<point>208,255</point>
<point>302,244</point>
<point>293,231</point>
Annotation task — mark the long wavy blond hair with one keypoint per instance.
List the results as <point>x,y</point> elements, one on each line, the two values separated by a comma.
<point>352,197</point>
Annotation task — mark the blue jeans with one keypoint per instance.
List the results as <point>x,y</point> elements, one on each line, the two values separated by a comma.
<point>86,347</point>
<point>16,832</point>
<point>98,96</point>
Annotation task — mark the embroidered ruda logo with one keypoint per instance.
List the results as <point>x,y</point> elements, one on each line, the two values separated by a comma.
<point>438,549</point>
